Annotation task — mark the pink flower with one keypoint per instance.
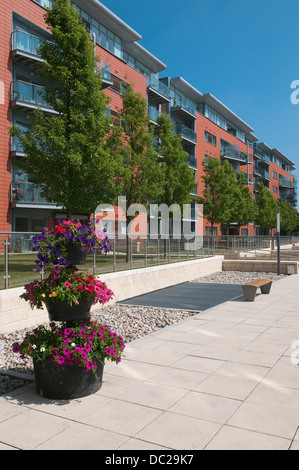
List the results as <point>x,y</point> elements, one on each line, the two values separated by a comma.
<point>31,298</point>
<point>67,284</point>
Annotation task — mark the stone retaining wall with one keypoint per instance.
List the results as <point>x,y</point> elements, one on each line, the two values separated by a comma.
<point>287,267</point>
<point>16,314</point>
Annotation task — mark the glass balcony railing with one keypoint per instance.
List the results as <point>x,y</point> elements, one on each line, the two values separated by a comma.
<point>25,42</point>
<point>265,175</point>
<point>27,193</point>
<point>266,159</point>
<point>16,145</point>
<point>182,103</point>
<point>287,197</point>
<point>44,3</point>
<point>233,154</point>
<point>28,93</point>
<point>285,182</point>
<point>105,70</point>
<point>153,113</point>
<point>192,161</point>
<point>158,86</point>
<point>186,132</point>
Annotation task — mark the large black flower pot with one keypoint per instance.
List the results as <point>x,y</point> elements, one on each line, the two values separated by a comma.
<point>74,256</point>
<point>58,382</point>
<point>61,311</point>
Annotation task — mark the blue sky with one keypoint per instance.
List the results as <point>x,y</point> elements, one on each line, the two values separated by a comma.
<point>244,53</point>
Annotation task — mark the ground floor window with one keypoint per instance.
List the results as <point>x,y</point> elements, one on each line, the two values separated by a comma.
<point>28,223</point>
<point>211,232</point>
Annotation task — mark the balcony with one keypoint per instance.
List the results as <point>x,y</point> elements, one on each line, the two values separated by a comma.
<point>24,47</point>
<point>232,153</point>
<point>265,160</point>
<point>105,70</point>
<point>265,175</point>
<point>26,195</point>
<point>186,133</point>
<point>287,197</point>
<point>183,108</point>
<point>192,161</point>
<point>285,182</point>
<point>157,91</point>
<point>16,149</point>
<point>28,97</point>
<point>153,113</point>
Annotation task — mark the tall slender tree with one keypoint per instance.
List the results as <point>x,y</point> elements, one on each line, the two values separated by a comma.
<point>66,151</point>
<point>266,208</point>
<point>217,195</point>
<point>141,179</point>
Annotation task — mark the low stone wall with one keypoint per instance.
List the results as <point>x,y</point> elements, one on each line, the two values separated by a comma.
<point>16,314</point>
<point>287,267</point>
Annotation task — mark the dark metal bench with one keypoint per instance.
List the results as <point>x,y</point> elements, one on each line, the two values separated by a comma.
<point>250,289</point>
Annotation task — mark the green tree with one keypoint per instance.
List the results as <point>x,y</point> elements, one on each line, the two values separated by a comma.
<point>289,218</point>
<point>243,208</point>
<point>141,179</point>
<point>67,152</point>
<point>217,196</point>
<point>266,208</point>
<point>179,180</point>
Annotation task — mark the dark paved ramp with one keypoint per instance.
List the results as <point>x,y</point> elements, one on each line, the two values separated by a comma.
<point>188,296</point>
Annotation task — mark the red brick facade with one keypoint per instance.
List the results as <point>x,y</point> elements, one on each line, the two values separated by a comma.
<point>31,11</point>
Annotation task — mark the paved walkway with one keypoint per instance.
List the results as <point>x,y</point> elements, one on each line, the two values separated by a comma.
<point>220,380</point>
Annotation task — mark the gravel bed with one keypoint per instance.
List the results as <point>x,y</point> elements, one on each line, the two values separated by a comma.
<point>130,322</point>
<point>238,277</point>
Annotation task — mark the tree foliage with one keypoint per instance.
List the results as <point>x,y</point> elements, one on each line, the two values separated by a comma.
<point>266,207</point>
<point>141,178</point>
<point>67,152</point>
<point>179,181</point>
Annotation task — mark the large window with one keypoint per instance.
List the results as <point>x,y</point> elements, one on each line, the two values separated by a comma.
<point>98,33</point>
<point>101,35</point>
<point>222,122</point>
<point>210,138</point>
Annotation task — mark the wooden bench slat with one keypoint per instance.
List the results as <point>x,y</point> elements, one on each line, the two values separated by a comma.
<point>258,283</point>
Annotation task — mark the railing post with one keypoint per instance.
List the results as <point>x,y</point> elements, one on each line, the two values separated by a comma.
<point>131,253</point>
<point>158,247</point>
<point>6,277</point>
<point>145,253</point>
<point>114,254</point>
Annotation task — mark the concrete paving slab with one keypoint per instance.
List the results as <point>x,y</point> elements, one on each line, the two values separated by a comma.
<point>222,379</point>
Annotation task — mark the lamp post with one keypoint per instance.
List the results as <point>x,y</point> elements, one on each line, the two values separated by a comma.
<point>278,243</point>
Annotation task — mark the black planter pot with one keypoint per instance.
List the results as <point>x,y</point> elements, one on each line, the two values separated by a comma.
<point>58,382</point>
<point>75,257</point>
<point>61,311</point>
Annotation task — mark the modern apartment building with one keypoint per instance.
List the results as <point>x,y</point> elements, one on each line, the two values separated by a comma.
<point>207,126</point>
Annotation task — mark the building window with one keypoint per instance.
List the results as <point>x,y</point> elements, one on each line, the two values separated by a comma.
<point>275,189</point>
<point>274,174</point>
<point>210,138</point>
<point>210,232</point>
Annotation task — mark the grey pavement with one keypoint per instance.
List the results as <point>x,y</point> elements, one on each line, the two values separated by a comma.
<point>224,379</point>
